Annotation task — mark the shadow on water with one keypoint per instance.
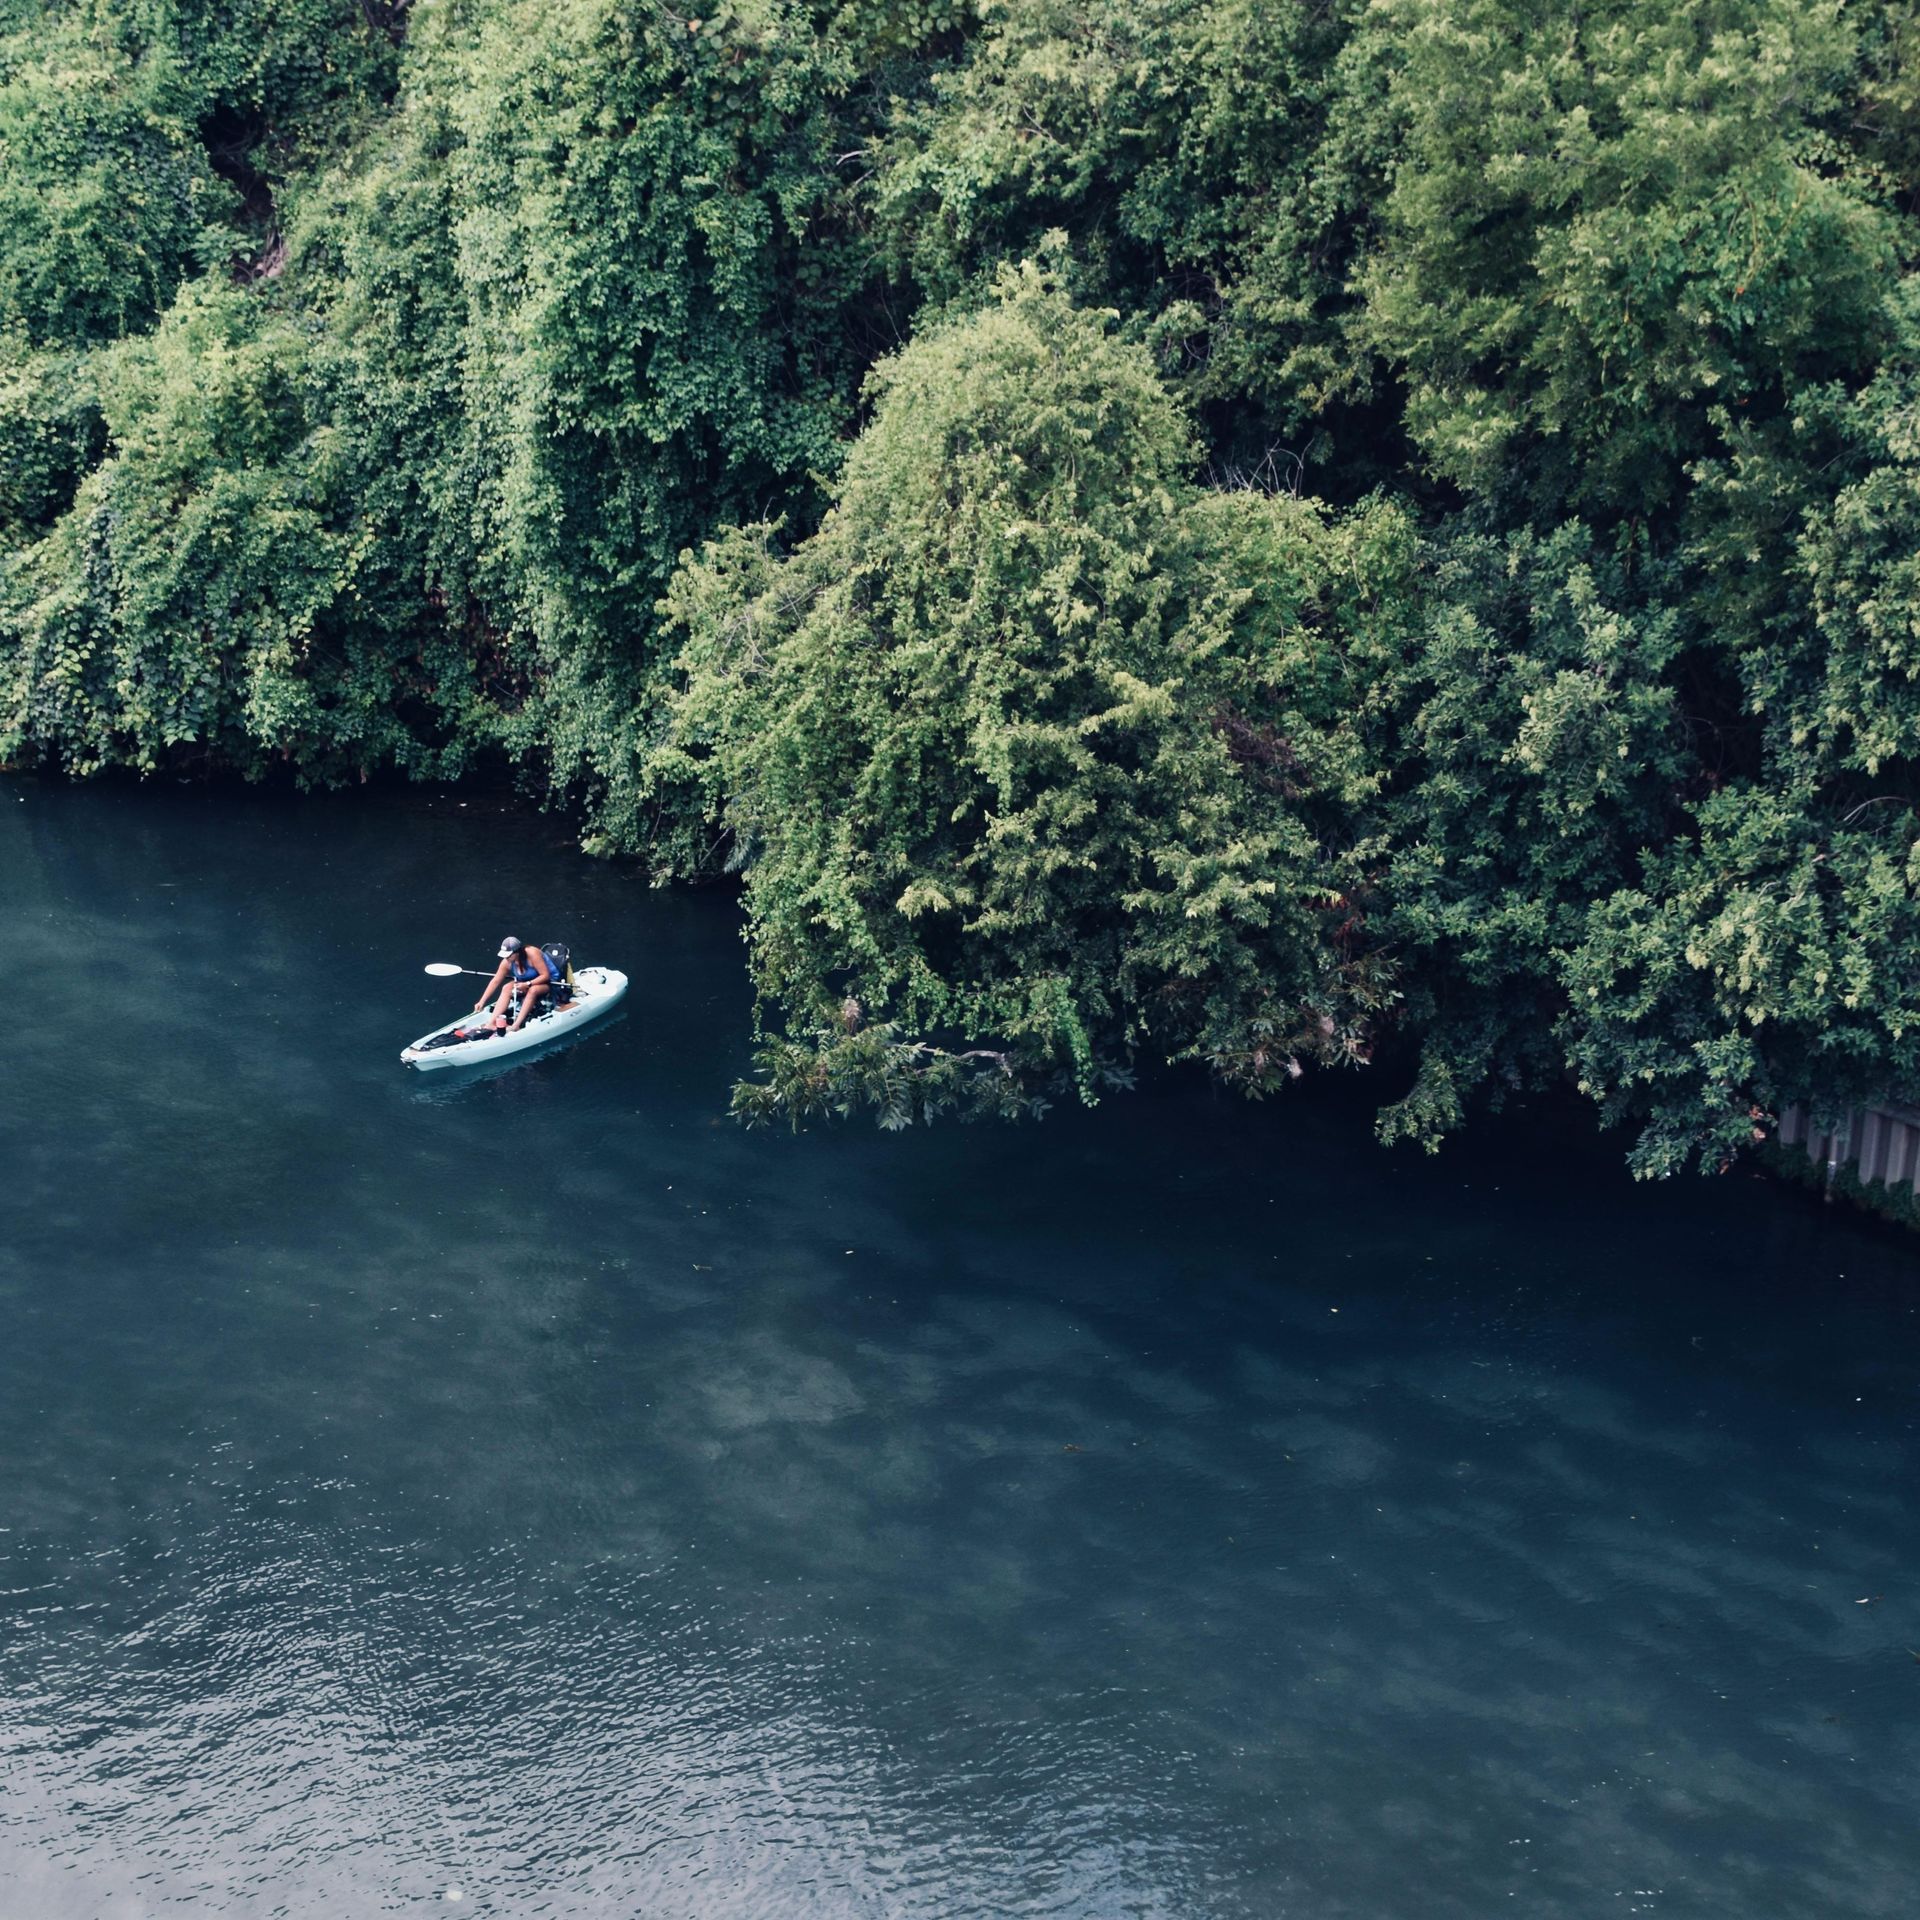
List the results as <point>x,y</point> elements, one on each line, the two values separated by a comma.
<point>534,1484</point>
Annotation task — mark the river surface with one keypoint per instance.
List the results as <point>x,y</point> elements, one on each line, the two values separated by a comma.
<point>525,1493</point>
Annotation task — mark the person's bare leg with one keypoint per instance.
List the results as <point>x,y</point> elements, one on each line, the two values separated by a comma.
<point>528,995</point>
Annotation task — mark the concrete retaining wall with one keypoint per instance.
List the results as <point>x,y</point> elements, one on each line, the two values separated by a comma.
<point>1879,1143</point>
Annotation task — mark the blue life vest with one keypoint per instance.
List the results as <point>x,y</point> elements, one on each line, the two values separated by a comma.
<point>525,972</point>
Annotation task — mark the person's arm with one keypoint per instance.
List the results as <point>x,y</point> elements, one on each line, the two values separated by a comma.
<point>531,990</point>
<point>499,974</point>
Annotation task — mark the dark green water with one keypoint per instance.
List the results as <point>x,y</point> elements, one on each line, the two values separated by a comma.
<point>533,1486</point>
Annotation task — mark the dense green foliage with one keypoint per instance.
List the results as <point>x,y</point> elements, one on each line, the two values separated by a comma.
<point>1266,532</point>
<point>1035,739</point>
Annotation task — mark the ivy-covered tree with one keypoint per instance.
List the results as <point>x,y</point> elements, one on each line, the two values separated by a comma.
<point>1613,229</point>
<point>1423,572</point>
<point>1034,751</point>
<point>585,289</point>
<point>1217,166</point>
<point>1540,749</point>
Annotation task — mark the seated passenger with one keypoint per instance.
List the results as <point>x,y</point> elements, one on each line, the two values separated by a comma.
<point>524,972</point>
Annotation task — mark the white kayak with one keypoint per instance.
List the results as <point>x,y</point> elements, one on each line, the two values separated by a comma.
<point>595,990</point>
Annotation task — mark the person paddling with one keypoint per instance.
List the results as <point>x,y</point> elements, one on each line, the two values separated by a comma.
<point>523,970</point>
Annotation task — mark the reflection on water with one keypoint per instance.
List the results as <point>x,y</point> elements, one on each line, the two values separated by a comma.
<point>441,1085</point>
<point>533,1486</point>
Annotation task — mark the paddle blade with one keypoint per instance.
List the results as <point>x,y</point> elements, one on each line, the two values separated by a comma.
<point>443,968</point>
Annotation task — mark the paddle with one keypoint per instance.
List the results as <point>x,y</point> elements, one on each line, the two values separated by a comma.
<point>445,970</point>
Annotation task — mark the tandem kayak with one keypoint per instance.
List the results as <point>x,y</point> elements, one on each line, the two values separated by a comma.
<point>595,990</point>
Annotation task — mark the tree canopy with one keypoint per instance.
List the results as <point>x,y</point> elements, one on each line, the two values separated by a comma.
<point>1379,533</point>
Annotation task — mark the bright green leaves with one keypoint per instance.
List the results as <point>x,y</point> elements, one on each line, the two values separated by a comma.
<point>1540,745</point>
<point>1607,222</point>
<point>1768,960</point>
<point>1854,696</point>
<point>1184,147</point>
<point>367,372</point>
<point>590,290</point>
<point>107,197</point>
<point>642,356</point>
<point>51,434</point>
<point>138,140</point>
<point>1015,746</point>
<point>224,583</point>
